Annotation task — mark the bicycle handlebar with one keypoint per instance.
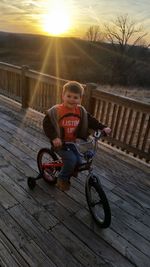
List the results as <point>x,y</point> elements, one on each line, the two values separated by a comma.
<point>97,135</point>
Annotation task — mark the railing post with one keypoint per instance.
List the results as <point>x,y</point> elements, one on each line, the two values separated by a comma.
<point>87,99</point>
<point>25,87</point>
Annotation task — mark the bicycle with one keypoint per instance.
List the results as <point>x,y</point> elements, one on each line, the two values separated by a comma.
<point>49,165</point>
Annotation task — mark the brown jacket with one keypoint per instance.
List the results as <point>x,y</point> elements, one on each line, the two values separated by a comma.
<point>52,129</point>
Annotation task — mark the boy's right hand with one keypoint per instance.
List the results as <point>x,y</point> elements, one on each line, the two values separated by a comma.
<point>57,142</point>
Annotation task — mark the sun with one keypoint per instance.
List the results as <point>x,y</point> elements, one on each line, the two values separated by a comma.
<point>57,20</point>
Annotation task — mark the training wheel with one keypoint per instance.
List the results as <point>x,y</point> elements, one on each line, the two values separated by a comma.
<point>31,182</point>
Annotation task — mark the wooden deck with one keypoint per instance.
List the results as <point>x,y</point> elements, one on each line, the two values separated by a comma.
<point>46,227</point>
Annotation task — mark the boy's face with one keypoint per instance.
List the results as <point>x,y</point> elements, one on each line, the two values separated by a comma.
<point>71,100</point>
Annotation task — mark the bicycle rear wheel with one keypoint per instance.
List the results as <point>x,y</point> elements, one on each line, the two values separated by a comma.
<point>46,156</point>
<point>97,202</point>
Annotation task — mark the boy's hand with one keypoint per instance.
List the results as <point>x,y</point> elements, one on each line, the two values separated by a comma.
<point>107,130</point>
<point>57,142</point>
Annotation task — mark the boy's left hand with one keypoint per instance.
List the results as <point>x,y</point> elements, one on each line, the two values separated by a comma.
<point>107,130</point>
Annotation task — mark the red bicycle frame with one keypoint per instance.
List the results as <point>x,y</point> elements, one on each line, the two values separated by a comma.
<point>52,165</point>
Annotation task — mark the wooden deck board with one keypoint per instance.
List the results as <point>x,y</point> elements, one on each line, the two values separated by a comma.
<point>46,227</point>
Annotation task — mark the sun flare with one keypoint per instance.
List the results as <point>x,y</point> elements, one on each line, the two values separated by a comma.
<point>57,20</point>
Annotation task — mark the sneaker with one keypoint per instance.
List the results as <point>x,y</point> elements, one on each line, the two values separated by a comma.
<point>63,185</point>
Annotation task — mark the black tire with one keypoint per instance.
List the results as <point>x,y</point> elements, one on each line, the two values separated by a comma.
<point>97,202</point>
<point>46,155</point>
<point>31,182</point>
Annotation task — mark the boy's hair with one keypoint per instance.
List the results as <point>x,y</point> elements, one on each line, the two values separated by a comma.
<point>73,87</point>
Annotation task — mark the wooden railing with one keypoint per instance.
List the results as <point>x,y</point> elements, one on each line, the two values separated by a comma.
<point>33,89</point>
<point>128,119</point>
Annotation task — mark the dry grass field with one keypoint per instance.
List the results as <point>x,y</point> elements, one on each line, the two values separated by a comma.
<point>139,93</point>
<point>34,59</point>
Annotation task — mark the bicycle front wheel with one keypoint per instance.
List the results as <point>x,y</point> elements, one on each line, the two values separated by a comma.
<point>97,202</point>
<point>46,156</point>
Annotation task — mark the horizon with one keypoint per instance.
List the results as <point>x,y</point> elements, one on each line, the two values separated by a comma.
<point>69,18</point>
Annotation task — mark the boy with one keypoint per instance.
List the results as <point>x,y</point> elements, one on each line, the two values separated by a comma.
<point>66,122</point>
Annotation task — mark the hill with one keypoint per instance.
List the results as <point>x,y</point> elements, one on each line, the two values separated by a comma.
<point>76,59</point>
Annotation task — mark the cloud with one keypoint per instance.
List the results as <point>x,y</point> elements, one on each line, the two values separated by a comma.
<point>84,13</point>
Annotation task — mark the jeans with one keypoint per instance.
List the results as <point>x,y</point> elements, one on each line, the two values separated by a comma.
<point>70,158</point>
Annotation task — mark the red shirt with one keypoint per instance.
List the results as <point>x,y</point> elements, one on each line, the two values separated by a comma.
<point>68,119</point>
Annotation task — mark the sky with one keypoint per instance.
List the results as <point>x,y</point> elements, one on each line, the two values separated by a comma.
<point>71,17</point>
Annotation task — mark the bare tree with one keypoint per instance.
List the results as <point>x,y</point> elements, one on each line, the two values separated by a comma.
<point>94,34</point>
<point>124,33</point>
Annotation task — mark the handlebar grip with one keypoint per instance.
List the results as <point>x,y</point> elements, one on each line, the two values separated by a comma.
<point>99,133</point>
